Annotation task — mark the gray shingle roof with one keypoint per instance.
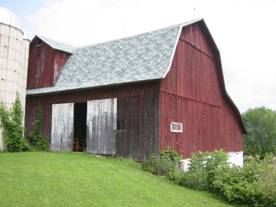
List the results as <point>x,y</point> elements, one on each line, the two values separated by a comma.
<point>57,45</point>
<point>142,57</point>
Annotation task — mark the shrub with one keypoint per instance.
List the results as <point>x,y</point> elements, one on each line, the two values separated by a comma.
<point>253,184</point>
<point>215,161</point>
<point>170,154</point>
<point>151,164</point>
<point>267,184</point>
<point>13,127</point>
<point>168,161</point>
<point>202,169</point>
<point>196,175</point>
<point>176,175</point>
<point>36,139</point>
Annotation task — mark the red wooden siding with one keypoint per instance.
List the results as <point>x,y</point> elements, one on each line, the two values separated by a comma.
<point>193,93</point>
<point>138,106</point>
<point>45,64</point>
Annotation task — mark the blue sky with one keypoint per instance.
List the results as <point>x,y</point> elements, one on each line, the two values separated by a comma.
<point>22,7</point>
<point>243,30</point>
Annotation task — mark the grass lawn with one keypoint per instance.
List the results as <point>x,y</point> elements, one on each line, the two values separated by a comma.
<point>78,179</point>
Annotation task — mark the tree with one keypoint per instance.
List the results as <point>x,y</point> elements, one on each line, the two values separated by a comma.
<point>261,127</point>
<point>36,139</point>
<point>13,127</point>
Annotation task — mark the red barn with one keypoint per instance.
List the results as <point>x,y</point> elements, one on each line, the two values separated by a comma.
<point>134,96</point>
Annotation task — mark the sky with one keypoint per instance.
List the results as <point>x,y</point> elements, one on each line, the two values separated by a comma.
<point>244,31</point>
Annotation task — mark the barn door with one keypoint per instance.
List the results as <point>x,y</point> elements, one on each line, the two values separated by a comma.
<point>62,127</point>
<point>101,126</point>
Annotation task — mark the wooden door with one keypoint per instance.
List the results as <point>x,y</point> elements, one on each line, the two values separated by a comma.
<point>62,127</point>
<point>101,126</point>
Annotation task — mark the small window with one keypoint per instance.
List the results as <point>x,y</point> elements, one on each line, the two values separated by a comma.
<point>176,127</point>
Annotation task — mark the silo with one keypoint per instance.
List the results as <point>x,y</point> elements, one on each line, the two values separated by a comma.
<point>14,50</point>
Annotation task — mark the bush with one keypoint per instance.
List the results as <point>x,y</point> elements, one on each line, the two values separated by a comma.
<point>202,169</point>
<point>151,164</point>
<point>267,184</point>
<point>253,184</point>
<point>36,139</point>
<point>176,175</point>
<point>13,127</point>
<point>170,154</point>
<point>168,161</point>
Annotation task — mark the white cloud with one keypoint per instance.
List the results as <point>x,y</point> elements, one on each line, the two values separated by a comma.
<point>244,31</point>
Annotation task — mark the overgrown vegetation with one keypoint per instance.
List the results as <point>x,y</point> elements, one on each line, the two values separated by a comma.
<point>261,127</point>
<point>254,184</point>
<point>36,138</point>
<point>13,131</point>
<point>203,168</point>
<point>13,128</point>
<point>168,160</point>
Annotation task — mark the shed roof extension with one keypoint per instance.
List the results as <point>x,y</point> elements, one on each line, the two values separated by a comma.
<point>57,45</point>
<point>138,58</point>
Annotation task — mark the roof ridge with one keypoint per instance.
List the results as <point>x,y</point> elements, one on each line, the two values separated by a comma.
<point>143,33</point>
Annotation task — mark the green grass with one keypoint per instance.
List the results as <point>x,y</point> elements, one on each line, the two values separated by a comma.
<point>78,179</point>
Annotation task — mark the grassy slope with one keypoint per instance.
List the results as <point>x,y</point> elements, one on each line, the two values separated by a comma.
<point>77,179</point>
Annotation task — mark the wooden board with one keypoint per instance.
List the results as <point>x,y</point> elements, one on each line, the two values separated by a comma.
<point>62,127</point>
<point>101,126</point>
<point>137,106</point>
<point>193,94</point>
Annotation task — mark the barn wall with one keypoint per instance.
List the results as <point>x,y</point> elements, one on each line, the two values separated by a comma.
<point>45,64</point>
<point>193,93</point>
<point>138,107</point>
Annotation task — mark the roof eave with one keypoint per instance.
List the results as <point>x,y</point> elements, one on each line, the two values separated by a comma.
<point>93,87</point>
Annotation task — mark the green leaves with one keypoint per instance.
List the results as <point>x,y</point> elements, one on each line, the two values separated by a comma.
<point>168,161</point>
<point>13,127</point>
<point>261,128</point>
<point>203,168</point>
<point>36,139</point>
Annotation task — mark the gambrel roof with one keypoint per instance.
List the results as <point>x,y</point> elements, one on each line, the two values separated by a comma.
<point>138,58</point>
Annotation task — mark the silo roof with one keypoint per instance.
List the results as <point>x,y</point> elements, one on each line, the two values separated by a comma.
<point>8,17</point>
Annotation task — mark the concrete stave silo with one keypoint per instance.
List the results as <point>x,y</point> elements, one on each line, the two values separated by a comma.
<point>14,50</point>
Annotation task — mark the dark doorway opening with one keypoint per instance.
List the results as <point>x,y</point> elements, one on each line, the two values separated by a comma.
<point>80,110</point>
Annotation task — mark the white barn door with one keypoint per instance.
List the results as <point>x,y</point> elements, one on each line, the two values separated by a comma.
<point>62,127</point>
<point>101,126</point>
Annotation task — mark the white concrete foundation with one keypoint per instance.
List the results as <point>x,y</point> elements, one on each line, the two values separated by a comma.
<point>185,164</point>
<point>234,159</point>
